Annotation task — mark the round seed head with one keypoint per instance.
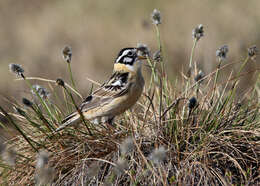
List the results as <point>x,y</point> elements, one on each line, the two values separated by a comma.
<point>156,17</point>
<point>60,82</point>
<point>127,146</point>
<point>158,155</point>
<point>143,49</point>
<point>199,76</point>
<point>221,53</point>
<point>42,159</point>
<point>252,52</point>
<point>16,69</point>
<point>192,103</point>
<point>44,173</point>
<point>27,102</point>
<point>198,32</point>
<point>92,170</point>
<point>67,54</point>
<point>43,93</point>
<point>121,166</point>
<point>157,56</point>
<point>44,176</point>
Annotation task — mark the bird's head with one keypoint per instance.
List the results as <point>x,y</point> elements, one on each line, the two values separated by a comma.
<point>129,60</point>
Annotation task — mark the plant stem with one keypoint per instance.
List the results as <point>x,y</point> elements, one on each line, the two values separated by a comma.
<point>216,79</point>
<point>78,110</point>
<point>153,76</point>
<point>71,77</point>
<point>189,71</point>
<point>192,52</point>
<point>40,98</point>
<point>243,65</point>
<point>158,36</point>
<point>18,129</point>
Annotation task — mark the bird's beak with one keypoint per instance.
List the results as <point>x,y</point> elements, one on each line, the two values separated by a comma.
<point>142,57</point>
<point>140,54</point>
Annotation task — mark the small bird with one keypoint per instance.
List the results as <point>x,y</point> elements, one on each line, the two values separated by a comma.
<point>116,95</point>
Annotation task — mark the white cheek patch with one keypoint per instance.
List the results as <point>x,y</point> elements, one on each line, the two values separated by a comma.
<point>127,59</point>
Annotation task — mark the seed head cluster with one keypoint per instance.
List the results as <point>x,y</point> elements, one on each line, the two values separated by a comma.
<point>158,155</point>
<point>44,173</point>
<point>252,52</point>
<point>121,166</point>
<point>43,93</point>
<point>67,54</point>
<point>198,32</point>
<point>192,103</point>
<point>199,76</point>
<point>27,102</point>
<point>127,146</point>
<point>157,56</point>
<point>42,159</point>
<point>221,53</point>
<point>16,69</point>
<point>145,51</point>
<point>92,170</point>
<point>156,17</point>
<point>60,82</point>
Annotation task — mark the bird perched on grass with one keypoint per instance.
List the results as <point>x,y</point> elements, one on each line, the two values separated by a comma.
<point>116,95</point>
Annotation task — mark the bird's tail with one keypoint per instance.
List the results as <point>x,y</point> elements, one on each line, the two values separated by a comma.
<point>71,119</point>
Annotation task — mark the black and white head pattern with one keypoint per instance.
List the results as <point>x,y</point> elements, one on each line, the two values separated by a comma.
<point>127,56</point>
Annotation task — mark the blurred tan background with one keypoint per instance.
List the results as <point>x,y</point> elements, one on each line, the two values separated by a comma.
<point>33,33</point>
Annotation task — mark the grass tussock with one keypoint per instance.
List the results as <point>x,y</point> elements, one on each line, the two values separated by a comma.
<point>191,131</point>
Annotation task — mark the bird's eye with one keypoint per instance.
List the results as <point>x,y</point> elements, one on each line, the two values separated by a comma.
<point>130,53</point>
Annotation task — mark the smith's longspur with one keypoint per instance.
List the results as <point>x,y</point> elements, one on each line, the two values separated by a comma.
<point>120,92</point>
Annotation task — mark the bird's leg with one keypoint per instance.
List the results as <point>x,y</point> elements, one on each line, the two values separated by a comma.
<point>109,123</point>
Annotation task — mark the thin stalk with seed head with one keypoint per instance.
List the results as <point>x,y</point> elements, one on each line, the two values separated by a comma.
<point>243,65</point>
<point>160,103</point>
<point>158,36</point>
<point>216,78</point>
<point>43,119</point>
<point>36,124</point>
<point>238,74</point>
<point>231,95</point>
<point>41,100</point>
<point>195,41</point>
<point>71,76</point>
<point>78,110</point>
<point>39,97</point>
<point>153,76</point>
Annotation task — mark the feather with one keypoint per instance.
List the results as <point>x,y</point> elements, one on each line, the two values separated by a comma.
<point>71,119</point>
<point>117,85</point>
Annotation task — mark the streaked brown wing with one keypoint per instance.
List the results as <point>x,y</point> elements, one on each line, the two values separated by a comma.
<point>116,86</point>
